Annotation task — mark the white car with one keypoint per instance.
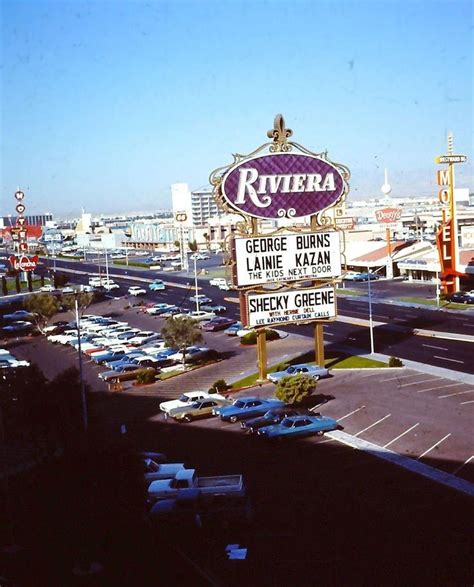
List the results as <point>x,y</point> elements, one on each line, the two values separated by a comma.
<point>136,291</point>
<point>186,399</point>
<point>201,315</point>
<point>68,290</point>
<point>192,353</point>
<point>144,338</point>
<point>110,285</point>
<point>217,281</point>
<point>47,288</point>
<point>243,332</point>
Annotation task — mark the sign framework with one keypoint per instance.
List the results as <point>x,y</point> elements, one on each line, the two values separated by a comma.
<point>285,257</point>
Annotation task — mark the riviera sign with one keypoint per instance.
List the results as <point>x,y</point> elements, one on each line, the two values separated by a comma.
<point>291,306</point>
<point>286,257</point>
<point>282,184</point>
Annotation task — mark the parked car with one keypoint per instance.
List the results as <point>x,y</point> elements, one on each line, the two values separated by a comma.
<point>200,315</point>
<point>185,400</point>
<point>246,407</point>
<point>48,288</point>
<point>135,290</point>
<point>158,309</point>
<point>299,426</point>
<point>461,297</point>
<point>366,277</point>
<point>144,338</point>
<point>313,370</point>
<point>201,408</point>
<point>217,281</point>
<point>18,328</point>
<point>19,315</point>
<point>232,330</point>
<point>68,290</point>
<point>125,373</point>
<point>157,285</point>
<point>351,275</point>
<point>109,285</point>
<point>192,353</point>
<point>273,416</point>
<point>190,507</point>
<point>201,299</point>
<point>218,323</point>
<point>216,308</point>
<point>187,479</point>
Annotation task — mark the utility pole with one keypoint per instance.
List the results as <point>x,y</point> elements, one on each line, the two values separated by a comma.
<point>196,284</point>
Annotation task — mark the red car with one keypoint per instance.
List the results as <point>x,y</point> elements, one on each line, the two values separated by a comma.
<point>218,323</point>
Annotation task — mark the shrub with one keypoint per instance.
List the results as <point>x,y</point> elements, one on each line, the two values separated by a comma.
<point>146,376</point>
<point>251,337</point>
<point>395,362</point>
<point>218,386</point>
<point>294,389</point>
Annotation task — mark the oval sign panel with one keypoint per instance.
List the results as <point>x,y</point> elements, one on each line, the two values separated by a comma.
<point>282,185</point>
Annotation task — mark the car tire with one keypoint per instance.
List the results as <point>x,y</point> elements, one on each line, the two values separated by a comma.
<point>233,419</point>
<point>316,377</point>
<point>188,418</point>
<point>319,433</point>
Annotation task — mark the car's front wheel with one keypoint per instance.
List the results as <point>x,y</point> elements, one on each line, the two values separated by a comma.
<point>188,418</point>
<point>319,432</point>
<point>233,419</point>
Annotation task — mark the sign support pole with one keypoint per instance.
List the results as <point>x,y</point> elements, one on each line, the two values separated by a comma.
<point>261,332</point>
<point>318,328</point>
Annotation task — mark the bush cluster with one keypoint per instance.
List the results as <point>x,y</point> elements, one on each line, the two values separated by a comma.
<point>395,362</point>
<point>251,337</point>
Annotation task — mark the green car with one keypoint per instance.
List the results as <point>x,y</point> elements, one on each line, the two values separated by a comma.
<point>201,408</point>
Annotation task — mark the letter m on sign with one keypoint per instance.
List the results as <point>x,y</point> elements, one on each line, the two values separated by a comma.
<point>443,176</point>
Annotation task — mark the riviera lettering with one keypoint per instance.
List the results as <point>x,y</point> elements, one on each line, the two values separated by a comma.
<point>257,187</point>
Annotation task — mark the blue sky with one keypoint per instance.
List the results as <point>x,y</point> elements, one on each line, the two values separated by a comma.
<point>107,103</point>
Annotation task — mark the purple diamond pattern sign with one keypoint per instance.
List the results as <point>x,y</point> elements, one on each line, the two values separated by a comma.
<point>282,185</point>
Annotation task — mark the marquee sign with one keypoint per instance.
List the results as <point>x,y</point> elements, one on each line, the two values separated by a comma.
<point>290,306</point>
<point>23,263</point>
<point>282,184</point>
<point>286,257</point>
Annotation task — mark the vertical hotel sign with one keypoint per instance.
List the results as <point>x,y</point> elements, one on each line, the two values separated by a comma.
<point>447,237</point>
<point>21,261</point>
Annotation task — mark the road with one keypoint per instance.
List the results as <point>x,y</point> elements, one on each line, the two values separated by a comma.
<point>451,354</point>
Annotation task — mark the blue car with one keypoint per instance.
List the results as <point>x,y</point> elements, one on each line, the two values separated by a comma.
<point>299,426</point>
<point>246,407</point>
<point>156,285</point>
<point>232,330</point>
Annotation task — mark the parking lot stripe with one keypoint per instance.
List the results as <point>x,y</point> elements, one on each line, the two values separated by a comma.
<point>417,382</point>
<point>400,377</point>
<point>431,346</point>
<point>374,424</point>
<point>434,446</point>
<point>448,359</point>
<point>350,413</point>
<point>403,461</point>
<point>400,435</point>
<point>469,402</point>
<point>463,465</point>
<point>439,387</point>
<point>456,393</point>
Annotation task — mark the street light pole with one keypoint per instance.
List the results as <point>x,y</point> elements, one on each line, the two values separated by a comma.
<point>196,284</point>
<point>81,375</point>
<point>106,266</point>
<point>371,326</point>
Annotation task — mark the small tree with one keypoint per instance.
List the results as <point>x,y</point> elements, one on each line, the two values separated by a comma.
<point>43,306</point>
<point>60,279</point>
<point>294,389</point>
<point>207,238</point>
<point>180,333</point>
<point>84,299</point>
<point>177,244</point>
<point>30,281</point>
<point>192,245</point>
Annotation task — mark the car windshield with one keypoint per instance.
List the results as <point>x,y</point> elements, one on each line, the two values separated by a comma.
<point>287,423</point>
<point>183,398</point>
<point>239,403</point>
<point>291,370</point>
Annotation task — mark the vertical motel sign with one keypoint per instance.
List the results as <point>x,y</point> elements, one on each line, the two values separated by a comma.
<point>447,236</point>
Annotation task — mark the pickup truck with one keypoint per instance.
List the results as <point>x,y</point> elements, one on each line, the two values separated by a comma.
<point>191,506</point>
<point>187,479</point>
